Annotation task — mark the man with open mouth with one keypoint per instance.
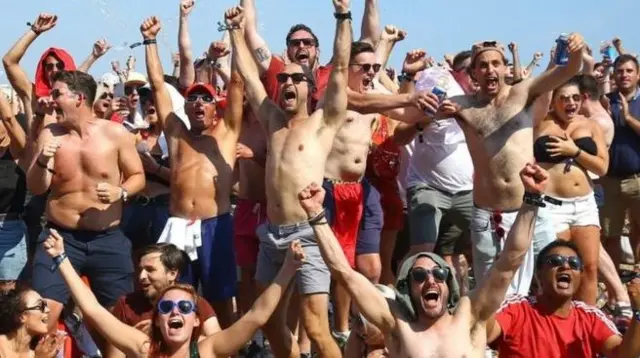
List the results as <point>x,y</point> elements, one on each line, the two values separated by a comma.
<point>202,160</point>
<point>552,324</point>
<point>424,316</point>
<point>298,145</point>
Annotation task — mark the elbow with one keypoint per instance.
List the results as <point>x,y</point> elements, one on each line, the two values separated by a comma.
<point>35,189</point>
<point>8,61</point>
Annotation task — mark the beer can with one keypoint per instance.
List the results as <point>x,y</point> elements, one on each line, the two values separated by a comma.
<point>562,50</point>
<point>440,93</point>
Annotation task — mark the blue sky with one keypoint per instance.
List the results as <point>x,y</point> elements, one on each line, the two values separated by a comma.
<point>437,26</point>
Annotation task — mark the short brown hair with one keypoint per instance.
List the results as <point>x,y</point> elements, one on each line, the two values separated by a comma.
<point>171,257</point>
<point>78,82</point>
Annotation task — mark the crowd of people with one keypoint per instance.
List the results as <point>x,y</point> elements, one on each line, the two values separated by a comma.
<point>251,204</point>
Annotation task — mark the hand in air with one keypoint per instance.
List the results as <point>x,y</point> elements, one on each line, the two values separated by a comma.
<point>234,17</point>
<point>108,193</point>
<point>53,244</point>
<point>175,59</point>
<point>186,6</point>
<point>150,27</point>
<point>534,178</point>
<point>218,49</point>
<point>513,47</point>
<point>100,47</point>
<point>562,146</point>
<point>341,6</point>
<point>295,256</point>
<point>393,34</point>
<point>131,63</point>
<point>312,199</point>
<point>44,22</point>
<point>415,61</point>
<point>575,43</point>
<point>46,105</point>
<point>49,345</point>
<point>617,43</point>
<point>243,152</point>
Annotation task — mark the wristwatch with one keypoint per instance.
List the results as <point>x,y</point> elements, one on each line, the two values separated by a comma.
<point>124,194</point>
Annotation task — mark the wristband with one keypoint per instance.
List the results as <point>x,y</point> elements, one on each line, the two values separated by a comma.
<point>342,16</point>
<point>57,261</point>
<point>318,219</point>
<point>149,42</point>
<point>44,166</point>
<point>33,28</point>
<point>533,199</point>
<point>578,153</point>
<point>407,76</point>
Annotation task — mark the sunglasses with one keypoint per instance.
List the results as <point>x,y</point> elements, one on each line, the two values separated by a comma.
<point>50,66</point>
<point>497,220</point>
<point>367,66</point>
<point>295,77</point>
<point>206,98</point>
<point>298,42</point>
<point>128,90</point>
<point>556,260</point>
<point>490,44</point>
<point>55,94</point>
<point>107,95</point>
<point>419,274</point>
<point>184,307</point>
<point>574,98</point>
<point>40,306</point>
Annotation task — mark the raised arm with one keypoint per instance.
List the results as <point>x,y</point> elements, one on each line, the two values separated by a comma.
<point>335,101</point>
<point>219,53</point>
<point>486,299</point>
<point>16,134</point>
<point>370,29</point>
<point>100,47</point>
<point>187,72</point>
<point>369,300</point>
<point>258,47</point>
<point>617,43</point>
<point>150,29</point>
<point>517,67</point>
<point>388,39</point>
<point>235,98</point>
<point>256,94</point>
<point>535,61</point>
<point>230,340</point>
<point>11,61</point>
<point>127,339</point>
<point>552,79</point>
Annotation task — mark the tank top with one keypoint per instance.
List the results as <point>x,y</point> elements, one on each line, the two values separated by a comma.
<point>13,185</point>
<point>384,157</point>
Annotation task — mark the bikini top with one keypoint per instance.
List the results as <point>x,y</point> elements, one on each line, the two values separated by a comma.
<point>541,154</point>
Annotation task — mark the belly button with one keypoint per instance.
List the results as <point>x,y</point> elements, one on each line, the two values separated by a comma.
<point>349,119</point>
<point>301,147</point>
<point>358,160</point>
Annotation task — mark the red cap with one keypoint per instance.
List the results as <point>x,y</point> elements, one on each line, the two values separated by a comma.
<point>201,87</point>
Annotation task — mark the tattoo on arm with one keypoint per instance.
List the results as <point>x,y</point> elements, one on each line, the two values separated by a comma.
<point>262,54</point>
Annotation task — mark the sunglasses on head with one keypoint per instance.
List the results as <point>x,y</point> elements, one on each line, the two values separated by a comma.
<point>419,274</point>
<point>40,306</point>
<point>184,306</point>
<point>305,42</point>
<point>50,66</point>
<point>106,95</point>
<point>490,44</point>
<point>555,260</point>
<point>295,77</point>
<point>367,66</point>
<point>206,98</point>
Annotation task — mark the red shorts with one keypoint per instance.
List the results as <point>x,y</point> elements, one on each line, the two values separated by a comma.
<point>392,205</point>
<point>344,204</point>
<point>247,217</point>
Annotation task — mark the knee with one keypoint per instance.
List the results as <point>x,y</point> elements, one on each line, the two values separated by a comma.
<point>369,266</point>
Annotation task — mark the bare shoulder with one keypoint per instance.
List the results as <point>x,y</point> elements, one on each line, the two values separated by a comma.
<point>115,131</point>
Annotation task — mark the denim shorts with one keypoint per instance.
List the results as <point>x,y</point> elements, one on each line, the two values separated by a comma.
<point>13,249</point>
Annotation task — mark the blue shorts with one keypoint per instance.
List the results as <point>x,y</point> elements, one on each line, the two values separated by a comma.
<point>372,221</point>
<point>215,267</point>
<point>103,256</point>
<point>143,220</point>
<point>13,250</point>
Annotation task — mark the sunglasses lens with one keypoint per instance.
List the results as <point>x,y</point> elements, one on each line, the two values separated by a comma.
<point>555,260</point>
<point>419,275</point>
<point>207,99</point>
<point>297,77</point>
<point>282,77</point>
<point>440,274</point>
<point>377,67</point>
<point>185,307</point>
<point>575,263</point>
<point>165,306</point>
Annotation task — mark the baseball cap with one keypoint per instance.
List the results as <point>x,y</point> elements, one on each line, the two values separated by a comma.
<point>136,78</point>
<point>484,46</point>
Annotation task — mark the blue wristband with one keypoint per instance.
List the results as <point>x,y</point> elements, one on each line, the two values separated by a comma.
<point>57,261</point>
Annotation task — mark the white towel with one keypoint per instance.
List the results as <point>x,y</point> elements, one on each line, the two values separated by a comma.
<point>185,234</point>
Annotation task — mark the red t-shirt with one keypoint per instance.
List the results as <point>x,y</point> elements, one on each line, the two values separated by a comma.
<point>135,307</point>
<point>527,332</point>
<point>276,66</point>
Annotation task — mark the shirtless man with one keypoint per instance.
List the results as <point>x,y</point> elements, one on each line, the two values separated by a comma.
<point>425,316</point>
<point>298,145</point>
<point>202,161</point>
<point>91,167</point>
<point>498,125</point>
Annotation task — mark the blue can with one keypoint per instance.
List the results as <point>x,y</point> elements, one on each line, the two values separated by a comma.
<point>562,50</point>
<point>440,93</point>
<point>611,53</point>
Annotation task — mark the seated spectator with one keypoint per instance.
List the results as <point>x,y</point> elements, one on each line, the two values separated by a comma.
<point>552,324</point>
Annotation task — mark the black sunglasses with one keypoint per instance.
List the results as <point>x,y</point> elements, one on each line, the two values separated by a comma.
<point>50,66</point>
<point>298,42</point>
<point>184,306</point>
<point>367,66</point>
<point>41,306</point>
<point>128,90</point>
<point>55,94</point>
<point>419,274</point>
<point>490,44</point>
<point>556,260</point>
<point>206,98</point>
<point>295,77</point>
<point>106,95</point>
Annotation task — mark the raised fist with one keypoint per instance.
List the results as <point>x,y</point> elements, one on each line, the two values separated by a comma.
<point>414,62</point>
<point>150,28</point>
<point>534,178</point>
<point>44,22</point>
<point>341,6</point>
<point>393,34</point>
<point>234,17</point>
<point>218,49</point>
<point>186,6</point>
<point>100,47</point>
<point>512,46</point>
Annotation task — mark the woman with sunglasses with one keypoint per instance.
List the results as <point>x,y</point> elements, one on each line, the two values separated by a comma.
<point>104,98</point>
<point>175,317</point>
<point>569,146</point>
<point>23,322</point>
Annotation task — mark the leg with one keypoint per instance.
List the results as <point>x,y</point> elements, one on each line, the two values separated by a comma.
<point>587,239</point>
<point>425,212</point>
<point>387,245</point>
<point>13,253</point>
<point>316,323</point>
<point>280,338</point>
<point>615,289</point>
<point>612,216</point>
<point>484,246</point>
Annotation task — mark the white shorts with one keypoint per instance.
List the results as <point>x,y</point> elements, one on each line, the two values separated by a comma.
<point>580,211</point>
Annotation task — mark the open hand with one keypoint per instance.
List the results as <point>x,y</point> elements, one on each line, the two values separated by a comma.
<point>534,178</point>
<point>564,146</point>
<point>49,345</point>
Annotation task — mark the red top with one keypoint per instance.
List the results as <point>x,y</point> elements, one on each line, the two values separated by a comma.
<point>384,157</point>
<point>276,66</point>
<point>135,307</point>
<point>43,87</point>
<point>529,332</point>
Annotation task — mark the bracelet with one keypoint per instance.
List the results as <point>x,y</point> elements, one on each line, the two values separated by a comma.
<point>342,16</point>
<point>149,42</point>
<point>578,153</point>
<point>533,199</point>
<point>407,76</point>
<point>33,28</point>
<point>318,219</point>
<point>57,261</point>
<point>44,166</point>
<point>223,27</point>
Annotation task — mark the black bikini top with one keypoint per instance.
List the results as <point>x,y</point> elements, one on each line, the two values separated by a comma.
<point>587,144</point>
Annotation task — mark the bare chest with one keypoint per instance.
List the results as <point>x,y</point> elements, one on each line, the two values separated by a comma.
<point>291,145</point>
<point>497,123</point>
<point>204,154</point>
<point>93,157</point>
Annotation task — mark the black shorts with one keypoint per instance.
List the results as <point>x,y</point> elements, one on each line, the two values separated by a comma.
<point>103,256</point>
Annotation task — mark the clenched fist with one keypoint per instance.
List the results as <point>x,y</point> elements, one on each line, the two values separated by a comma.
<point>150,28</point>
<point>100,48</point>
<point>49,149</point>
<point>234,17</point>
<point>44,22</point>
<point>341,6</point>
<point>185,7</point>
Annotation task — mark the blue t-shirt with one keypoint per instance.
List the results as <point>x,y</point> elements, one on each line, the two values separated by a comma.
<point>624,153</point>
